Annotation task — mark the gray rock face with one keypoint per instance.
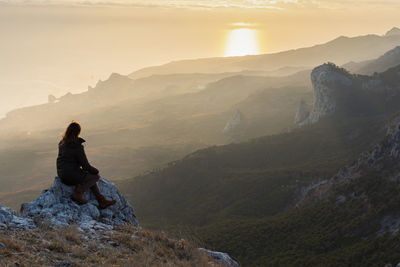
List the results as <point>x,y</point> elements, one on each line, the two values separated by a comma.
<point>221,257</point>
<point>235,127</point>
<point>336,91</point>
<point>389,224</point>
<point>56,207</point>
<point>302,112</point>
<point>325,80</point>
<point>9,219</point>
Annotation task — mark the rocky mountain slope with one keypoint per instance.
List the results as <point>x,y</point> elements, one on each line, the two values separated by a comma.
<point>381,160</point>
<point>350,219</point>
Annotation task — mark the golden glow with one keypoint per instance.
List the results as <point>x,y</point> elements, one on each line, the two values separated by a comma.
<point>241,42</point>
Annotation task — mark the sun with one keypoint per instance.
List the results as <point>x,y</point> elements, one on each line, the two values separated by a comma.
<point>241,42</point>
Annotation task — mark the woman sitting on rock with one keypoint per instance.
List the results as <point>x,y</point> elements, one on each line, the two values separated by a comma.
<point>73,167</point>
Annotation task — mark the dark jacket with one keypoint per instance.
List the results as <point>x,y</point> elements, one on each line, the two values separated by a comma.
<point>72,164</point>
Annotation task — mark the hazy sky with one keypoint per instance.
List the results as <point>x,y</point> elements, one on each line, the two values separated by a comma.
<point>59,45</point>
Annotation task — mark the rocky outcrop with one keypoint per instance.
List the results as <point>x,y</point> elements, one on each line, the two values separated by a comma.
<point>235,127</point>
<point>336,91</point>
<point>9,219</point>
<point>326,80</point>
<point>56,207</point>
<point>303,111</point>
<point>221,257</point>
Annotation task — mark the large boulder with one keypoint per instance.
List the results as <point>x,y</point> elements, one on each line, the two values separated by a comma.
<point>55,206</point>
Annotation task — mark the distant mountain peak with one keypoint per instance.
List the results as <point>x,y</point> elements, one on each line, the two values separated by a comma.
<point>393,31</point>
<point>393,53</point>
<point>116,76</point>
<point>388,60</point>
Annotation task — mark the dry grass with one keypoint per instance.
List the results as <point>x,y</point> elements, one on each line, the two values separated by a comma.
<point>126,246</point>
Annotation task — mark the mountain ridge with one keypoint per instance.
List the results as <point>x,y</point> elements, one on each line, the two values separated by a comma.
<point>349,49</point>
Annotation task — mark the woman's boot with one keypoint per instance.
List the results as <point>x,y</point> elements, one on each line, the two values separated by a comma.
<point>78,195</point>
<point>103,202</point>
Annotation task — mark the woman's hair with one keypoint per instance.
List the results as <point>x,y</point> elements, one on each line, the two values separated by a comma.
<point>71,133</point>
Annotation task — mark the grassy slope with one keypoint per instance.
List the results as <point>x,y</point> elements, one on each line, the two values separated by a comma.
<point>124,247</point>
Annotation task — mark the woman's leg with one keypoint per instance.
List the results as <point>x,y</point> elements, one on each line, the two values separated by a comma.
<point>90,181</point>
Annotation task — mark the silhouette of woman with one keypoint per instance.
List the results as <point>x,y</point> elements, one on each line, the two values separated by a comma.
<point>73,167</point>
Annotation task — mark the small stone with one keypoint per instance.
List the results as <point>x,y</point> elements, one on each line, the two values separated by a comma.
<point>46,242</point>
<point>100,246</point>
<point>2,245</point>
<point>66,262</point>
<point>112,243</point>
<point>84,237</point>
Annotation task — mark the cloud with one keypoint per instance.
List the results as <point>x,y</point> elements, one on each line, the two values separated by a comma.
<point>266,4</point>
<point>209,4</point>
